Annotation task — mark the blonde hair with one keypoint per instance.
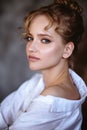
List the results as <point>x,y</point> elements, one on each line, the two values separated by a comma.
<point>67,15</point>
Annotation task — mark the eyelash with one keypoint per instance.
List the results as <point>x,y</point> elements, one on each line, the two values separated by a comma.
<point>28,38</point>
<point>44,40</point>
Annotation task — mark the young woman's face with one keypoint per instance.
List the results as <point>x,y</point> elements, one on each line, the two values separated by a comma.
<point>44,48</point>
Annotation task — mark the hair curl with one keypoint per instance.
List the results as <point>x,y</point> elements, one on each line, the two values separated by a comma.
<point>72,4</point>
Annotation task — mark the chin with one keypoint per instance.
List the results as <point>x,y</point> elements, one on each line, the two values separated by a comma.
<point>33,68</point>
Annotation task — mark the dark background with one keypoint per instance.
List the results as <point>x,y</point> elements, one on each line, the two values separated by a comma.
<point>13,63</point>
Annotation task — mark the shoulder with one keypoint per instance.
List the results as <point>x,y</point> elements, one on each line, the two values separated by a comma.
<point>54,91</point>
<point>62,92</point>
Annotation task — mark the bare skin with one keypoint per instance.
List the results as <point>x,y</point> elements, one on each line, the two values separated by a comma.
<point>51,59</point>
<point>61,86</point>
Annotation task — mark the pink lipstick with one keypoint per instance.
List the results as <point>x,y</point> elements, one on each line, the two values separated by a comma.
<point>33,58</point>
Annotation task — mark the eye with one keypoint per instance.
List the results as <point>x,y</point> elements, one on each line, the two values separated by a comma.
<point>28,38</point>
<point>45,41</point>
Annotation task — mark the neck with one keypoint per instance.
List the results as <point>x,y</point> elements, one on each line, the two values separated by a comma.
<point>56,76</point>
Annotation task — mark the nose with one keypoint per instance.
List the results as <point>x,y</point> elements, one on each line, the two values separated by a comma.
<point>32,47</point>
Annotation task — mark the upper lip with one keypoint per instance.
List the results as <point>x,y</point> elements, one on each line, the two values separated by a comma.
<point>33,57</point>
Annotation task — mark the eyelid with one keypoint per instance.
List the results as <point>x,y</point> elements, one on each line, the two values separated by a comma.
<point>27,37</point>
<point>45,40</point>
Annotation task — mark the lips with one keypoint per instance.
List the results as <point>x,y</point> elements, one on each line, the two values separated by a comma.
<point>33,58</point>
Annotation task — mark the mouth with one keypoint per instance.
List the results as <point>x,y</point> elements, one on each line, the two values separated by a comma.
<point>33,58</point>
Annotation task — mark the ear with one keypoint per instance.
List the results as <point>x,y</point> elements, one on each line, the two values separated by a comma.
<point>69,47</point>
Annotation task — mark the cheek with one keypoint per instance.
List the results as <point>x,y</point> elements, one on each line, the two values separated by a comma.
<point>50,53</point>
<point>54,51</point>
<point>53,55</point>
<point>47,52</point>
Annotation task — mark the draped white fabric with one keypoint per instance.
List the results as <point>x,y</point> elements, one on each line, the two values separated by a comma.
<point>26,109</point>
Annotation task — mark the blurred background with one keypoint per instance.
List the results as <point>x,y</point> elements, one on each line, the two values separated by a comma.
<point>13,63</point>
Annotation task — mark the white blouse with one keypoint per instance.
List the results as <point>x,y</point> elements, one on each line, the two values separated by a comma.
<point>26,109</point>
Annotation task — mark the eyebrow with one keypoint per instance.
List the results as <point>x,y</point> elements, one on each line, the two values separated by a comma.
<point>42,34</point>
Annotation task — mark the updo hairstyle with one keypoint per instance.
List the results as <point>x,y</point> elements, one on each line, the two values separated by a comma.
<point>67,14</point>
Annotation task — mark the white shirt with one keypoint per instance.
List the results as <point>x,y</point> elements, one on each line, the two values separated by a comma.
<point>26,109</point>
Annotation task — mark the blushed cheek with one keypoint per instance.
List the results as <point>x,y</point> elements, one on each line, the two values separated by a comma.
<point>49,51</point>
<point>56,54</point>
<point>50,55</point>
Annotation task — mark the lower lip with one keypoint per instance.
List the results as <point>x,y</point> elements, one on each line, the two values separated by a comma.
<point>33,59</point>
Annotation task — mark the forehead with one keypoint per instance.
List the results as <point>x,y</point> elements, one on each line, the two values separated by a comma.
<point>42,22</point>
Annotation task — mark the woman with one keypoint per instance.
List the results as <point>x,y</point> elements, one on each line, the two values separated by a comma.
<point>51,100</point>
